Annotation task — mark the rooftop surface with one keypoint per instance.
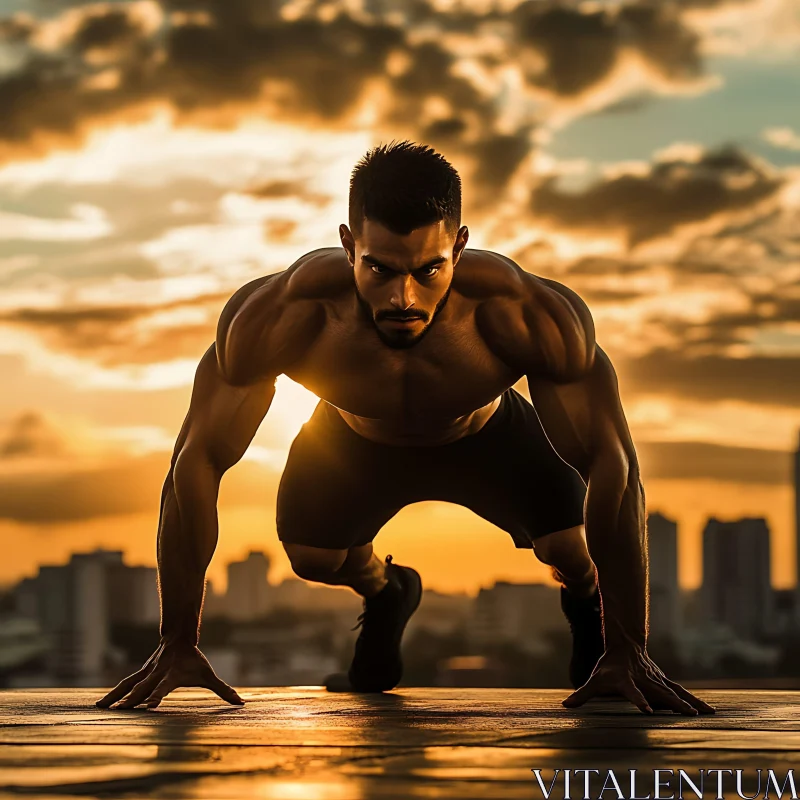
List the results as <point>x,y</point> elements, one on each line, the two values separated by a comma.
<point>303,743</point>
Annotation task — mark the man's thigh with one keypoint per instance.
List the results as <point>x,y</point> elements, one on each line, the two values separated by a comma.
<point>333,493</point>
<point>510,475</point>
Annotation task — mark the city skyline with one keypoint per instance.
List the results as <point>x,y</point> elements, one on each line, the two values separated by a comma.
<point>80,622</point>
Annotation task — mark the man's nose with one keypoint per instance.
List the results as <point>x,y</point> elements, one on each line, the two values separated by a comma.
<point>403,293</point>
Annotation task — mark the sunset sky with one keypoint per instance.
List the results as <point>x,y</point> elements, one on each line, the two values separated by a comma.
<point>155,156</point>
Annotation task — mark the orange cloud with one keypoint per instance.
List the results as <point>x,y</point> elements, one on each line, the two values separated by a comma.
<point>216,64</point>
<point>124,334</point>
<point>673,193</point>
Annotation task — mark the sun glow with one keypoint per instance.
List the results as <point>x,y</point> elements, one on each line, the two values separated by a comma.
<point>292,405</point>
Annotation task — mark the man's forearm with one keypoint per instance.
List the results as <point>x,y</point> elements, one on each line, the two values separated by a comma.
<point>187,538</point>
<point>617,543</point>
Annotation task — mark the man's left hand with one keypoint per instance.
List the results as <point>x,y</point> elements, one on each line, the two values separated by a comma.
<point>631,672</point>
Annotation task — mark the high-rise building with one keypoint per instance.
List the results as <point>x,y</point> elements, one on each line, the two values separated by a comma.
<point>133,595</point>
<point>797,530</point>
<point>248,594</point>
<point>665,598</point>
<point>520,612</point>
<point>76,604</point>
<point>736,590</point>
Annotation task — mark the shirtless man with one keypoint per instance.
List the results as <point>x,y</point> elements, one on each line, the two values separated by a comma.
<point>414,344</point>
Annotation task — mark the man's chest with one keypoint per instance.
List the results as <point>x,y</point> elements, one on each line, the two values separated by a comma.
<point>450,372</point>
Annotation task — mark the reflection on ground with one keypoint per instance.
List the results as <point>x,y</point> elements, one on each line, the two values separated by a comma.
<point>293,743</point>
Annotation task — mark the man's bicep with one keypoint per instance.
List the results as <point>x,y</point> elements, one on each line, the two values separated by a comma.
<point>583,418</point>
<point>222,418</point>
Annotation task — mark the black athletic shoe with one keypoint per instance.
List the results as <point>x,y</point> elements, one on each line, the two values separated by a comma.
<point>377,665</point>
<point>586,625</point>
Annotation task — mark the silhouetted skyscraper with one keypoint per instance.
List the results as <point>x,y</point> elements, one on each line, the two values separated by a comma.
<point>736,589</point>
<point>248,594</point>
<point>77,603</point>
<point>665,605</point>
<point>518,612</point>
<point>797,521</point>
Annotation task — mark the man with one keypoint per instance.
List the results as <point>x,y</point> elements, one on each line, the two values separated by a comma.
<point>413,343</point>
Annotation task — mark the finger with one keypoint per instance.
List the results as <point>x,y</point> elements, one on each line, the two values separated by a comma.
<point>122,688</point>
<point>671,700</point>
<point>630,690</point>
<point>700,705</point>
<point>166,685</point>
<point>580,696</point>
<point>227,693</point>
<point>141,690</point>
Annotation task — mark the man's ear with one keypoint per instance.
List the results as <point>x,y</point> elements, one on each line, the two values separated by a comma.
<point>462,237</point>
<point>348,242</point>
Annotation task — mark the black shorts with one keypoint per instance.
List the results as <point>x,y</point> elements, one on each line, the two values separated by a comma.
<point>339,489</point>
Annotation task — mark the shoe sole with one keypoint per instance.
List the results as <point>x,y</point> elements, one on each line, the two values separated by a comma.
<point>415,585</point>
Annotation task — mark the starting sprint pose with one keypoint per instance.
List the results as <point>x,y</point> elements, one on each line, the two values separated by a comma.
<point>413,343</point>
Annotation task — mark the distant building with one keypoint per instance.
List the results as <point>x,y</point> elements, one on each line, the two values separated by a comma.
<point>247,598</point>
<point>441,613</point>
<point>665,598</point>
<point>797,531</point>
<point>518,612</point>
<point>75,605</point>
<point>736,590</point>
<point>785,616</point>
<point>133,595</point>
<point>248,594</point>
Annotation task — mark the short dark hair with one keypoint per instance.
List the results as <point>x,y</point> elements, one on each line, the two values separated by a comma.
<point>404,186</point>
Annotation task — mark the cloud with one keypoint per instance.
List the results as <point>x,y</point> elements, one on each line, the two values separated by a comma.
<point>282,189</point>
<point>31,435</point>
<point>82,495</point>
<point>702,307</point>
<point>698,460</point>
<point>783,137</point>
<point>116,487</point>
<point>437,73</point>
<point>574,49</point>
<point>125,334</point>
<point>770,381</point>
<point>86,223</point>
<point>673,193</point>
<point>737,28</point>
<point>212,68</point>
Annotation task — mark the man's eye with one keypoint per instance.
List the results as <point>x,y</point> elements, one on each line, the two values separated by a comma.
<point>429,272</point>
<point>378,270</point>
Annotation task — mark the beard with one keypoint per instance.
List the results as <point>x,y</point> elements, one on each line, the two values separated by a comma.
<point>400,339</point>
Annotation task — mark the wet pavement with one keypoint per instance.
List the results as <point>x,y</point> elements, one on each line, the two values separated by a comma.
<point>304,743</point>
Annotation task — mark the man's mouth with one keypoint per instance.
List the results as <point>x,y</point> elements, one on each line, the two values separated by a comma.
<point>404,321</point>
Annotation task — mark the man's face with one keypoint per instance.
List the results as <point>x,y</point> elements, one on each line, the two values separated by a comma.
<point>402,282</point>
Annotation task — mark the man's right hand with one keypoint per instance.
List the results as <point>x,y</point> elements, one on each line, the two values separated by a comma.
<point>171,666</point>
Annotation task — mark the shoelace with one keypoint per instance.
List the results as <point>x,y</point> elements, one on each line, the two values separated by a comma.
<point>363,614</point>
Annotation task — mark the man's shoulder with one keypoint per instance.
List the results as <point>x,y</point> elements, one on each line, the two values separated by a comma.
<point>493,276</point>
<point>538,320</point>
<point>259,316</point>
<point>319,275</point>
<point>484,275</point>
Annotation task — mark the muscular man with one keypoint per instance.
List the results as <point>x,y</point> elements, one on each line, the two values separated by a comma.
<point>414,343</point>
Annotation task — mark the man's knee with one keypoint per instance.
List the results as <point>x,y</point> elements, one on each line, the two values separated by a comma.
<point>550,548</point>
<point>314,563</point>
